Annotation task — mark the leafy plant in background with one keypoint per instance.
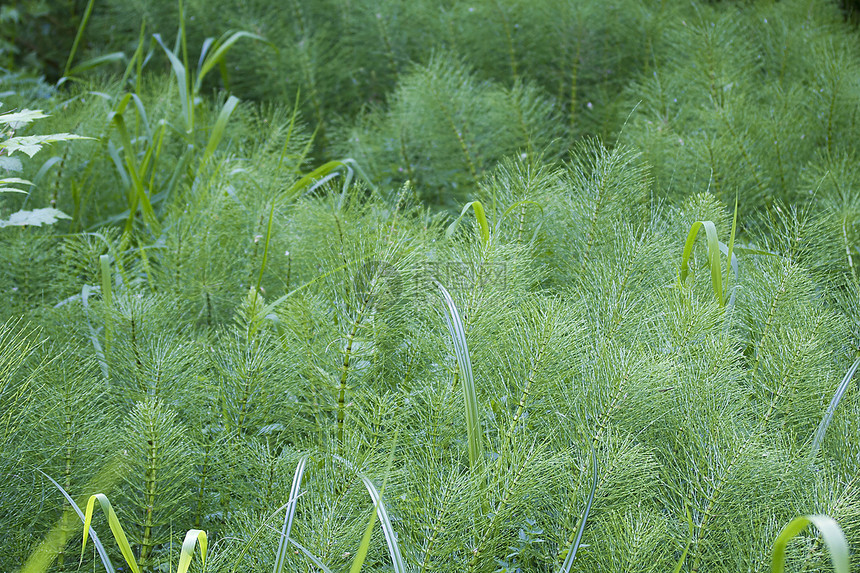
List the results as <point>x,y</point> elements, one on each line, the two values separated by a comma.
<point>258,310</point>
<point>28,145</point>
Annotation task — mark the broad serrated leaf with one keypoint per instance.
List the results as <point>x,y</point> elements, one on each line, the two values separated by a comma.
<point>36,218</point>
<point>18,119</point>
<point>31,144</point>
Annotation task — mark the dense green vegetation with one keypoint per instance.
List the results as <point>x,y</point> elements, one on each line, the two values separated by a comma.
<point>568,286</point>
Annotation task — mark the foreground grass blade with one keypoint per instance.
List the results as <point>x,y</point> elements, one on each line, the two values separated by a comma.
<point>41,560</point>
<point>364,546</point>
<point>316,560</point>
<point>480,217</point>
<point>831,533</point>
<point>115,527</point>
<point>281,555</point>
<point>831,409</point>
<point>577,540</point>
<point>384,520</point>
<point>193,538</point>
<point>458,338</point>
<point>713,256</point>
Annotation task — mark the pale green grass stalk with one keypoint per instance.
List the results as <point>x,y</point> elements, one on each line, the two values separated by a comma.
<point>295,489</point>
<point>577,539</point>
<point>107,298</point>
<point>818,437</point>
<point>830,532</point>
<point>382,513</point>
<point>467,379</point>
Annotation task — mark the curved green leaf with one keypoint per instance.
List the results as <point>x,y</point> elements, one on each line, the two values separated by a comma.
<point>713,256</point>
<point>193,538</point>
<point>831,533</point>
<point>115,527</point>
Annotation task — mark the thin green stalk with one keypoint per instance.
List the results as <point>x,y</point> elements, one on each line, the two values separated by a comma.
<point>78,36</point>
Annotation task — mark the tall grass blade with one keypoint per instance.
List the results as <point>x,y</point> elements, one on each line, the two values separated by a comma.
<point>364,546</point>
<point>384,520</point>
<point>180,71</point>
<point>818,437</point>
<point>281,555</point>
<point>461,350</point>
<point>831,533</point>
<point>115,527</point>
<point>218,130</point>
<point>133,172</point>
<point>577,540</point>
<point>263,527</point>
<point>136,61</point>
<point>193,538</point>
<point>713,256</point>
<point>78,36</point>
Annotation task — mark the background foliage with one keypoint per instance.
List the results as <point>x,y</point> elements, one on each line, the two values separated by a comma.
<point>248,276</point>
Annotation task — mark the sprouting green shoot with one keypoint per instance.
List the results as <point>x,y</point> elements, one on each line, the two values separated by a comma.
<point>713,244</point>
<point>830,532</point>
<point>193,538</point>
<point>480,217</point>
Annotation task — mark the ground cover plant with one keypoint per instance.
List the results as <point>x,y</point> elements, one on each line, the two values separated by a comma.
<point>488,286</point>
